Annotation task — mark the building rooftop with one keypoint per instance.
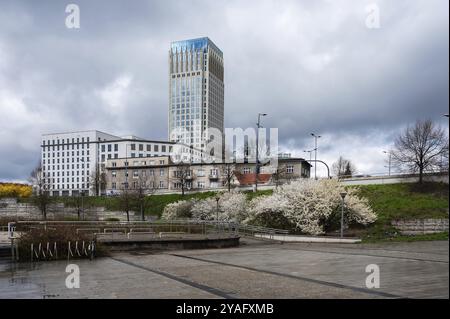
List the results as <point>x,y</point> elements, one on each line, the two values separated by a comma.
<point>198,43</point>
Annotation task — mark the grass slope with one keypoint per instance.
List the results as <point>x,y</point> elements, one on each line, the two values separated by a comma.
<point>404,201</point>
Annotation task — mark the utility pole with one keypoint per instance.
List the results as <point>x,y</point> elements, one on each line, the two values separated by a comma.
<point>310,153</point>
<point>343,194</point>
<point>258,125</point>
<point>315,153</point>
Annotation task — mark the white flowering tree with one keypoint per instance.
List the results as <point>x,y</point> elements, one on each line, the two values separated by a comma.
<point>180,209</point>
<point>231,206</point>
<point>309,206</point>
<point>269,211</point>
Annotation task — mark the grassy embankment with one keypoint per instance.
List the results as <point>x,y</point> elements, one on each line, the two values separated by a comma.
<point>404,201</point>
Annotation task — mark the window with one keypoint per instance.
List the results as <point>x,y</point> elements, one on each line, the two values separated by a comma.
<point>246,170</point>
<point>290,169</point>
<point>161,172</point>
<point>156,148</point>
<point>200,173</point>
<point>161,184</point>
<point>116,147</point>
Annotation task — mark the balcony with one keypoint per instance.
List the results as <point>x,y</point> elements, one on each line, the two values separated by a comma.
<point>213,176</point>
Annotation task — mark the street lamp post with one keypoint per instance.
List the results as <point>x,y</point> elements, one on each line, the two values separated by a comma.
<point>315,153</point>
<point>390,156</point>
<point>343,194</point>
<point>258,126</point>
<point>217,211</point>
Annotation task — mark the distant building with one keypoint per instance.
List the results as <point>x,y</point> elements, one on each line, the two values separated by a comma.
<point>160,174</point>
<point>72,162</point>
<point>196,90</point>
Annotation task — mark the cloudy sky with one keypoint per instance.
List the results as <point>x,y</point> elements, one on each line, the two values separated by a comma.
<point>313,66</point>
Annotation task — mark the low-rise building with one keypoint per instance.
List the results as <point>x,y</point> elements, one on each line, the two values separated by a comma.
<point>161,174</point>
<point>74,162</point>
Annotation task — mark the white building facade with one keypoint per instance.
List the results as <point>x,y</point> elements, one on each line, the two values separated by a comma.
<point>71,161</point>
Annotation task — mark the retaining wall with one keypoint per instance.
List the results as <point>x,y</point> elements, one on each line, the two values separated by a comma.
<point>421,226</point>
<point>10,208</point>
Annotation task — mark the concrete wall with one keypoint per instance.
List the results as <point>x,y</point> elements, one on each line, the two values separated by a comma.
<point>421,226</point>
<point>396,179</point>
<point>10,208</point>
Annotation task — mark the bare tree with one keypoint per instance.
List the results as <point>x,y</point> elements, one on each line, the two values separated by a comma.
<point>41,189</point>
<point>343,168</point>
<point>98,181</point>
<point>126,199</point>
<point>143,186</point>
<point>420,148</point>
<point>279,175</point>
<point>78,202</point>
<point>229,174</point>
<point>183,177</point>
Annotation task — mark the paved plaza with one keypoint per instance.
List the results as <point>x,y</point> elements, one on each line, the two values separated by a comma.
<point>256,269</point>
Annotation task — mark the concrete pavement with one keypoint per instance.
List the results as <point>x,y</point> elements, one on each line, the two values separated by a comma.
<point>257,269</point>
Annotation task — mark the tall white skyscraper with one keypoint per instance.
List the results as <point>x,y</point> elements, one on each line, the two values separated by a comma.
<point>196,91</point>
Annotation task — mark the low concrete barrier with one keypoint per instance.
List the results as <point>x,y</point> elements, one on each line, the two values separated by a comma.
<point>421,226</point>
<point>310,239</point>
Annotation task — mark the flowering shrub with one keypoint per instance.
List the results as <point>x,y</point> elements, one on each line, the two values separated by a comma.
<point>268,211</point>
<point>232,207</point>
<point>205,209</point>
<point>15,190</point>
<point>180,209</point>
<point>310,206</point>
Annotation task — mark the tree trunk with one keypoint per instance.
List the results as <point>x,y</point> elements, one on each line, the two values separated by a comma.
<point>420,175</point>
<point>142,212</point>
<point>128,216</point>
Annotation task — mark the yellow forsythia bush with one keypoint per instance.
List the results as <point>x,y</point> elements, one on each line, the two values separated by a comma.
<point>15,190</point>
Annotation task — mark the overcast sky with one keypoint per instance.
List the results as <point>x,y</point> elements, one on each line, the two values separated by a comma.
<point>313,66</point>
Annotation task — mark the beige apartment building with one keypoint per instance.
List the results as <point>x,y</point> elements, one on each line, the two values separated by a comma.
<point>159,174</point>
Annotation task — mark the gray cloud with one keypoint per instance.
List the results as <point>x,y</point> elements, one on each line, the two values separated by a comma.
<point>312,65</point>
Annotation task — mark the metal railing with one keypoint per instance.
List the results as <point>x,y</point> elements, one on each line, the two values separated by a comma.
<point>188,226</point>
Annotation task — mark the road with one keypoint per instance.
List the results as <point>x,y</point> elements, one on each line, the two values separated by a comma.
<point>257,269</point>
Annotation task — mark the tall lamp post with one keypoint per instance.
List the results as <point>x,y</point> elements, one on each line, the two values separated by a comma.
<point>217,211</point>
<point>315,153</point>
<point>390,157</point>
<point>258,126</point>
<point>343,194</point>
